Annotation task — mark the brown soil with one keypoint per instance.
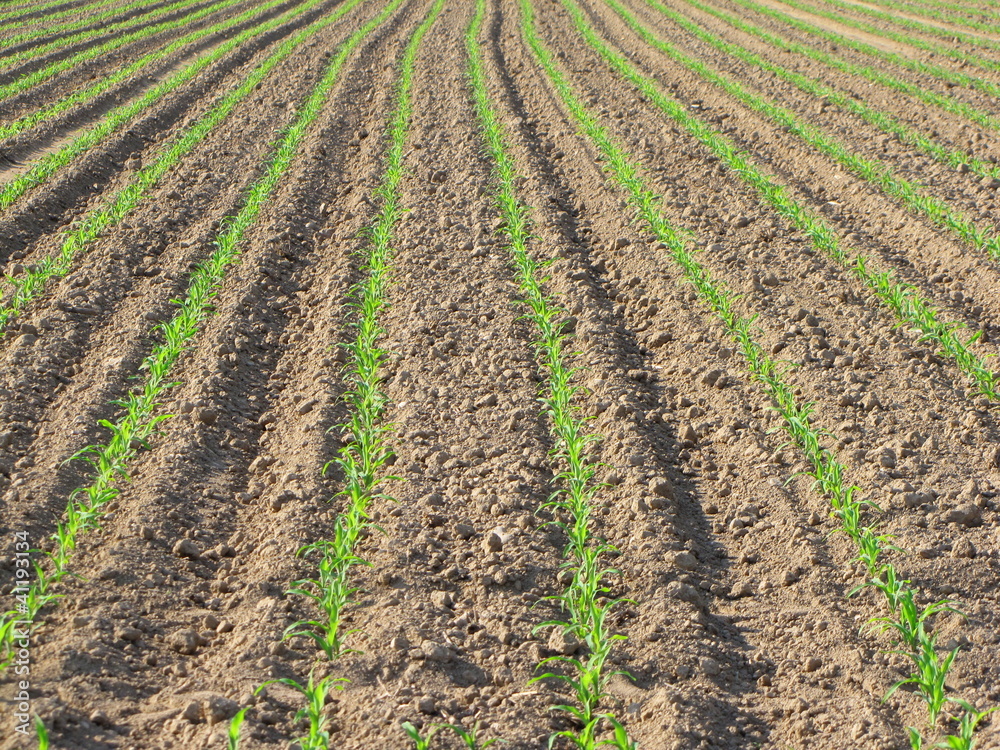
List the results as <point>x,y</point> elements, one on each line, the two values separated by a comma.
<point>740,632</point>
<point>927,21</point>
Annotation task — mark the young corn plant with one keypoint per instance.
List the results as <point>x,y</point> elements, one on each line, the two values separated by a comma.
<point>235,724</point>
<point>420,741</point>
<point>468,736</point>
<point>825,469</point>
<point>25,288</point>
<point>585,600</point>
<point>905,303</point>
<point>886,123</point>
<point>362,460</point>
<point>140,420</point>
<point>89,93</point>
<point>317,736</point>
<point>874,171</point>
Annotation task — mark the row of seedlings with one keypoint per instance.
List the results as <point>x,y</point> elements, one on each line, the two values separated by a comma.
<point>874,171</point>
<point>42,168</point>
<point>140,418</point>
<point>908,623</point>
<point>585,600</point>
<point>88,93</point>
<point>26,82</point>
<point>904,301</point>
<point>26,287</point>
<point>363,460</point>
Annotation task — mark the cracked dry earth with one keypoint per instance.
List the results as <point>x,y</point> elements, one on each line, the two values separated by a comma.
<point>739,630</point>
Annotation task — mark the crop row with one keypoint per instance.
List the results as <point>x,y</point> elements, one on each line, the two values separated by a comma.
<point>140,420</point>
<point>907,622</point>
<point>585,598</point>
<point>362,460</point>
<point>887,123</point>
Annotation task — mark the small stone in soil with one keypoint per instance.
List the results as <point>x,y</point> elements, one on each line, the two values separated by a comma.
<point>187,548</point>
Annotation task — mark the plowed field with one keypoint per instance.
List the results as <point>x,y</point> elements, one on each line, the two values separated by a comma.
<point>590,371</point>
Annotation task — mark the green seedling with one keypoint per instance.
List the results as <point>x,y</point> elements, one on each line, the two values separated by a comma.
<point>470,736</point>
<point>235,724</point>
<point>420,742</point>
<point>315,692</point>
<point>42,734</point>
<point>967,723</point>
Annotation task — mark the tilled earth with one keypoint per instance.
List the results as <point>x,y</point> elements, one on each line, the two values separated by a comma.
<point>740,631</point>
